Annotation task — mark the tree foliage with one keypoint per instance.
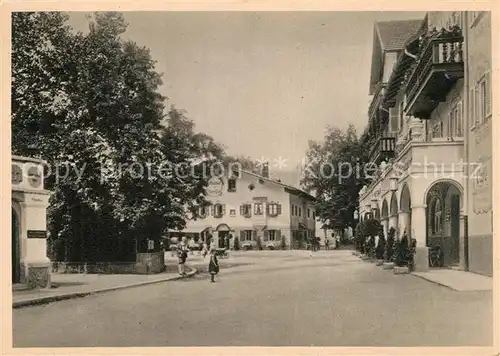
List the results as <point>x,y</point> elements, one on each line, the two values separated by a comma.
<point>335,174</point>
<point>89,105</point>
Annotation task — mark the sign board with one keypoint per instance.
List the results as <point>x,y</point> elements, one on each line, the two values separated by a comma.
<point>37,234</point>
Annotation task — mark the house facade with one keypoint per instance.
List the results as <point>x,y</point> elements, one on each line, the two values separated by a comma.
<point>253,209</point>
<point>430,128</point>
<point>30,264</point>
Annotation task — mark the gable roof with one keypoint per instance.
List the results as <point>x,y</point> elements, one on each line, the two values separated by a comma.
<point>389,36</point>
<point>288,188</point>
<point>394,34</point>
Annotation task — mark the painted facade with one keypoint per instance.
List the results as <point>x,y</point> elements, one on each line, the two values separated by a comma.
<point>431,128</point>
<point>30,264</point>
<point>250,207</point>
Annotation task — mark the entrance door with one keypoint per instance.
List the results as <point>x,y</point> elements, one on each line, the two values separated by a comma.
<point>16,262</point>
<point>222,238</point>
<point>455,228</point>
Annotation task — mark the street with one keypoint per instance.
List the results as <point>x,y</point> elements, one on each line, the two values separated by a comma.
<point>280,298</point>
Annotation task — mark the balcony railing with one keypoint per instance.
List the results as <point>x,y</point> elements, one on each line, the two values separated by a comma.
<point>383,149</point>
<point>440,65</point>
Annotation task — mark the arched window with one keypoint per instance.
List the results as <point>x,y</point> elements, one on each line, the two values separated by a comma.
<point>437,216</point>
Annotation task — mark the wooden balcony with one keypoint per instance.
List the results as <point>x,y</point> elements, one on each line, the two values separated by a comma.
<point>383,149</point>
<point>439,66</point>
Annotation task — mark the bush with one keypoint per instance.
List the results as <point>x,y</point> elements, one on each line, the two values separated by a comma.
<point>389,246</point>
<point>259,244</point>
<point>402,252</point>
<point>236,245</point>
<point>271,246</point>
<point>283,243</point>
<point>247,246</point>
<point>379,253</point>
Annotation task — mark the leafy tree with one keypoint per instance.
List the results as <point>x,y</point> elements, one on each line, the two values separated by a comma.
<point>335,175</point>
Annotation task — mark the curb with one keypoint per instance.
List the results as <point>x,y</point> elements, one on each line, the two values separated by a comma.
<point>438,283</point>
<point>55,298</point>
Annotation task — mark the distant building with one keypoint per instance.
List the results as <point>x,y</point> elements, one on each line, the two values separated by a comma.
<point>430,114</point>
<point>251,207</point>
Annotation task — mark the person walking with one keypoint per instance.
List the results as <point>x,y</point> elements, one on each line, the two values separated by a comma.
<point>213,266</point>
<point>327,243</point>
<point>182,253</point>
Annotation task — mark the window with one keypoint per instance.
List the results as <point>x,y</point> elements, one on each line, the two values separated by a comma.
<point>273,209</point>
<point>258,209</point>
<point>246,210</point>
<point>401,115</point>
<point>308,213</point>
<point>437,130</point>
<point>231,185</point>
<point>394,120</point>
<point>203,211</point>
<point>246,235</point>
<point>219,210</point>
<point>300,211</point>
<point>232,212</point>
<point>437,218</point>
<point>273,235</point>
<point>455,123</point>
<point>481,104</point>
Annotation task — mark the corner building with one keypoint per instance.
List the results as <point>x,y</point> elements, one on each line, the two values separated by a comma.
<point>430,129</point>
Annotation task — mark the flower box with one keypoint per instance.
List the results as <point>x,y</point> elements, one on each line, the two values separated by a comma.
<point>401,270</point>
<point>388,265</point>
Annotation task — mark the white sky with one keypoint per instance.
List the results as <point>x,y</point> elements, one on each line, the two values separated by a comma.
<point>262,83</point>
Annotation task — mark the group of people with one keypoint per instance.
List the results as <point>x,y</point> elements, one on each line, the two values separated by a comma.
<point>182,254</point>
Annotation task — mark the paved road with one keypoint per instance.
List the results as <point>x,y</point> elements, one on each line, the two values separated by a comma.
<point>285,299</point>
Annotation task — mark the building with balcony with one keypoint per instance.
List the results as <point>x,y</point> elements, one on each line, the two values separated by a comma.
<point>30,264</point>
<point>251,207</point>
<point>434,181</point>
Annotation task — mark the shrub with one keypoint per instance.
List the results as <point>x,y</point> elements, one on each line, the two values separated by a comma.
<point>271,246</point>
<point>402,252</point>
<point>259,243</point>
<point>380,248</point>
<point>247,246</point>
<point>236,245</point>
<point>389,246</point>
<point>283,242</point>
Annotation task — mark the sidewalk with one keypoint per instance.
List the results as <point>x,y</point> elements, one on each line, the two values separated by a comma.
<point>460,281</point>
<point>80,285</point>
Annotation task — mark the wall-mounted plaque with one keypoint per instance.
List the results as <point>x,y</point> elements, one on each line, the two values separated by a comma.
<point>37,234</point>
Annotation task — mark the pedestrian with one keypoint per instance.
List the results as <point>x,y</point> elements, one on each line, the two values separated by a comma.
<point>213,266</point>
<point>327,243</point>
<point>182,253</point>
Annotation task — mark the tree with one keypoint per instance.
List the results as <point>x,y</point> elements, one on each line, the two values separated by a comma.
<point>335,175</point>
<point>89,103</point>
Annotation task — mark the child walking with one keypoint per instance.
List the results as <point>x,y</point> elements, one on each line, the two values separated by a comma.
<point>213,266</point>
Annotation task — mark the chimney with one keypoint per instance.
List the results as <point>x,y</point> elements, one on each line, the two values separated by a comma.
<point>265,170</point>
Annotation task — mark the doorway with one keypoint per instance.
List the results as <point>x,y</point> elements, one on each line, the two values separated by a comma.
<point>223,235</point>
<point>455,229</point>
<point>16,255</point>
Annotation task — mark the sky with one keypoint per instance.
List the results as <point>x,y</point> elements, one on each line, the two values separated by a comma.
<point>262,83</point>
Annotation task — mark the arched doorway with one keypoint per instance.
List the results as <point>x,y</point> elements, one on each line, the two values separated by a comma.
<point>223,232</point>
<point>443,201</point>
<point>405,211</point>
<point>16,251</point>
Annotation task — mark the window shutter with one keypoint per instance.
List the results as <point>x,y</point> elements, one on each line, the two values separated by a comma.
<point>487,95</point>
<point>242,235</point>
<point>254,235</point>
<point>277,235</point>
<point>471,108</point>
<point>279,209</point>
<point>241,210</point>
<point>266,235</point>
<point>393,119</point>
<point>267,209</point>
<point>477,104</point>
<point>223,209</point>
<point>460,120</point>
<point>450,122</point>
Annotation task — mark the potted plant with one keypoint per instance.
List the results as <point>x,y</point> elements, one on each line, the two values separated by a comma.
<point>402,253</point>
<point>271,246</point>
<point>283,242</point>
<point>236,245</point>
<point>247,246</point>
<point>389,249</point>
